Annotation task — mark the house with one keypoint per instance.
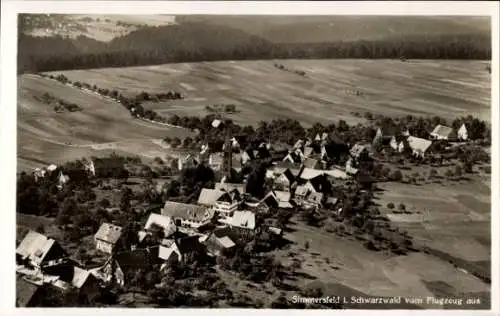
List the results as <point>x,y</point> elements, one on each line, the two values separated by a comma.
<point>104,167</point>
<point>216,160</point>
<point>418,145</point>
<point>208,197</point>
<point>38,173</point>
<point>399,143</point>
<point>51,168</point>
<point>247,156</point>
<point>39,252</point>
<point>313,199</point>
<point>294,157</point>
<point>300,193</point>
<point>462,133</point>
<point>227,186</point>
<point>359,152</point>
<point>188,215</point>
<point>28,294</point>
<point>216,245</point>
<point>107,237</point>
<point>334,148</point>
<point>283,198</point>
<point>184,249</point>
<point>242,219</point>
<point>308,173</point>
<point>158,221</point>
<point>228,202</point>
<point>187,162</point>
<point>122,267</point>
<point>87,284</point>
<point>280,167</point>
<point>442,132</point>
<point>284,180</point>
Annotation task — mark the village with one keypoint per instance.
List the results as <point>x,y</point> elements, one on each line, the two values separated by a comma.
<point>244,213</point>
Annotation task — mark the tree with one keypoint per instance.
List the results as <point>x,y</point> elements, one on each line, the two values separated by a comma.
<point>401,207</point>
<point>396,175</point>
<point>66,212</point>
<point>390,205</point>
<point>175,142</point>
<point>187,142</point>
<point>458,171</point>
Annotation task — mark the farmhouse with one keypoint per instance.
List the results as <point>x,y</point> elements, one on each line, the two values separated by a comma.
<point>462,133</point>
<point>215,161</point>
<point>183,249</point>
<point>187,215</point>
<point>418,145</point>
<point>208,197</point>
<point>107,237</point>
<point>86,283</point>
<point>38,251</point>
<point>313,199</point>
<point>283,198</point>
<point>442,132</point>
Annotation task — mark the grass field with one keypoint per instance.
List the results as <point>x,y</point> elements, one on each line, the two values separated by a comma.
<point>325,94</point>
<point>102,126</point>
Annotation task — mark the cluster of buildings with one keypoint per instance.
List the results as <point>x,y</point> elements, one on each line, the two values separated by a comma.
<point>401,141</point>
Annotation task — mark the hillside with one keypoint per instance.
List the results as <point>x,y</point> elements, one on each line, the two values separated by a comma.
<point>316,29</point>
<point>243,38</point>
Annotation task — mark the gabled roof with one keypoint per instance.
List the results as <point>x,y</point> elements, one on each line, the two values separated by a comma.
<point>51,167</point>
<point>186,211</point>
<point>419,144</point>
<point>131,261</point>
<point>228,187</point>
<point>243,219</point>
<point>209,196</point>
<point>301,190</point>
<point>25,291</point>
<point>282,195</point>
<point>230,197</point>
<point>164,222</point>
<point>31,243</point>
<point>109,233</point>
<point>80,276</point>
<point>189,244</point>
<point>442,131</point>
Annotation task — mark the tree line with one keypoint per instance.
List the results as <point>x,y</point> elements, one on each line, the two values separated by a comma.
<point>192,42</point>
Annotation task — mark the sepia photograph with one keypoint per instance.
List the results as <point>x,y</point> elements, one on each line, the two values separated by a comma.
<point>253,161</point>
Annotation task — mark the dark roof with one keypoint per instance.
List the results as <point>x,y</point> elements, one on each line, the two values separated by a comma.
<point>131,261</point>
<point>25,291</point>
<point>189,244</point>
<point>311,163</point>
<point>334,138</point>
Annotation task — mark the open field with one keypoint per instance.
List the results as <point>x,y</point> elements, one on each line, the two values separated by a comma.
<point>327,93</point>
<point>102,126</point>
<point>333,260</point>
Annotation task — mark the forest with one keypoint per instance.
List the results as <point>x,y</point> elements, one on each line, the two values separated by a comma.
<point>192,42</point>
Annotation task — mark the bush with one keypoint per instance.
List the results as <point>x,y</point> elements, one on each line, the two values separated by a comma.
<point>390,205</point>
<point>402,207</point>
<point>175,142</point>
<point>396,176</point>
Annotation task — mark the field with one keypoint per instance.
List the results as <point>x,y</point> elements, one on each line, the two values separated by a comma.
<point>331,89</point>
<point>102,126</point>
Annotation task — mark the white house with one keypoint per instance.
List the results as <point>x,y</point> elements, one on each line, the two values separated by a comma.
<point>418,145</point>
<point>107,237</point>
<point>442,132</point>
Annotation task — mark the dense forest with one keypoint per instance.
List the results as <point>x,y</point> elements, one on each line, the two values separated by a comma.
<point>193,42</point>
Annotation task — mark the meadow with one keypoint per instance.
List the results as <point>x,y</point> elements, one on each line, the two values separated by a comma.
<point>330,90</point>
